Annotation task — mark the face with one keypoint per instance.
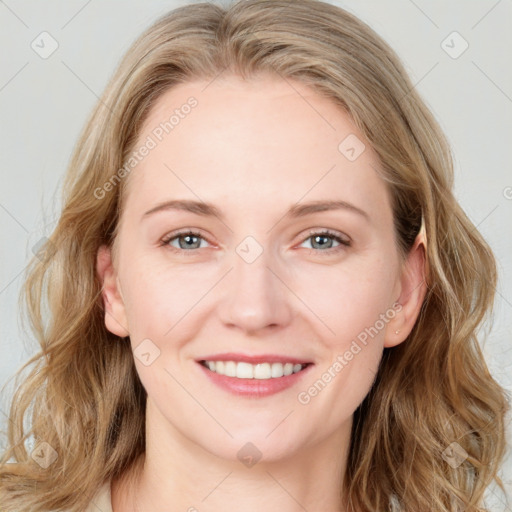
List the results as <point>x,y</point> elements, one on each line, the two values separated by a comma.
<point>254,270</point>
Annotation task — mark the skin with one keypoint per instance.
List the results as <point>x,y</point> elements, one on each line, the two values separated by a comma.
<point>254,149</point>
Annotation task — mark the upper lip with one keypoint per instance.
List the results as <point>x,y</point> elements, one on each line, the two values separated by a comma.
<point>254,359</point>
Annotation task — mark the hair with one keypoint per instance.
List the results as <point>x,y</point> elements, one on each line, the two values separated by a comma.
<point>83,396</point>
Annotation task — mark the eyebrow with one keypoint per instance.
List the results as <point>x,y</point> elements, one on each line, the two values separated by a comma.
<point>295,211</point>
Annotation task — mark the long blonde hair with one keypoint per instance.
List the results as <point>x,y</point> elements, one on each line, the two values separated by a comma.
<point>432,391</point>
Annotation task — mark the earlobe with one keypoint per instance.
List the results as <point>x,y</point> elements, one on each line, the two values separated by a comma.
<point>413,285</point>
<point>115,313</point>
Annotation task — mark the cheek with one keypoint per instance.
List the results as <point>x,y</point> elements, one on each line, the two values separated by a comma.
<point>345,297</point>
<point>158,296</point>
<point>357,306</point>
<point>349,298</point>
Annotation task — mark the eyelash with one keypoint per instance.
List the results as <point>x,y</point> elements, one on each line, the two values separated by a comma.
<point>328,252</point>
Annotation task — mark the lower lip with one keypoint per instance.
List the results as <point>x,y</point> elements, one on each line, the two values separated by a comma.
<point>254,387</point>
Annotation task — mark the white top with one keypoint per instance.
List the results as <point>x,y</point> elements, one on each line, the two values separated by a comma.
<point>102,501</point>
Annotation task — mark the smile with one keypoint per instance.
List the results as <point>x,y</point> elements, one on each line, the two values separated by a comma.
<point>262,371</point>
<point>257,380</point>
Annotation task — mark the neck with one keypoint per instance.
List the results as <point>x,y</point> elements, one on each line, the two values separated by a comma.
<point>176,474</point>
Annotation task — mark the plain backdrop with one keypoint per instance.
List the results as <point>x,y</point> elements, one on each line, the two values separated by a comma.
<point>465,78</point>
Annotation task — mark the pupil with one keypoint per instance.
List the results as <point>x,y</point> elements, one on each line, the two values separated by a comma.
<point>321,237</point>
<point>189,238</point>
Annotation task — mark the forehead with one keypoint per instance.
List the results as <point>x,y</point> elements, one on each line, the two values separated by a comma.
<point>252,142</point>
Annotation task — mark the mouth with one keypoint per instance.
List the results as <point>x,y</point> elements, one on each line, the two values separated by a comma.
<point>261,371</point>
<point>255,379</point>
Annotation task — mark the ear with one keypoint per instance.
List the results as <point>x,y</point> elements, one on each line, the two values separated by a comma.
<point>115,314</point>
<point>413,287</point>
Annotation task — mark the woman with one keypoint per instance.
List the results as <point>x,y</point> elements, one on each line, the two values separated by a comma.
<point>198,355</point>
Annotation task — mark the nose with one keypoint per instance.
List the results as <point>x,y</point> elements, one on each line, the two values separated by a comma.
<point>256,297</point>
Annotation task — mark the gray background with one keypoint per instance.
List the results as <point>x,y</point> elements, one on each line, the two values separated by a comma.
<point>44,102</point>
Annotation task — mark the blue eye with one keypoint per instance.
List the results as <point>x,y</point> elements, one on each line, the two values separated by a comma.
<point>190,241</point>
<point>318,239</point>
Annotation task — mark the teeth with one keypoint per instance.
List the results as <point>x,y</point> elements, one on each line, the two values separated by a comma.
<point>244,370</point>
<point>230,369</point>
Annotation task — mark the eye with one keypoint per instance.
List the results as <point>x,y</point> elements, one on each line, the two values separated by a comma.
<point>321,240</point>
<point>187,241</point>
<point>190,241</point>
